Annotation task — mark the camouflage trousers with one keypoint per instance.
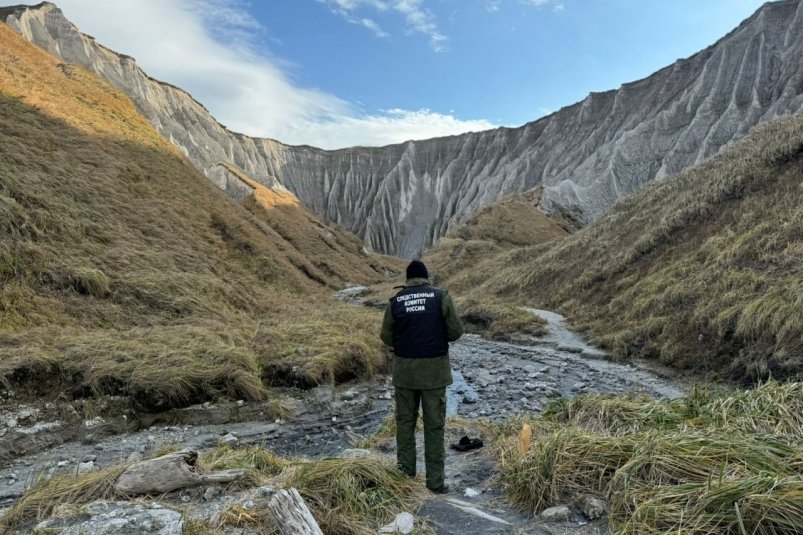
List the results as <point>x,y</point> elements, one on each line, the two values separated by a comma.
<point>433,405</point>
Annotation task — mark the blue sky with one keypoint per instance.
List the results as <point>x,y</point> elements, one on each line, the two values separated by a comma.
<point>334,73</point>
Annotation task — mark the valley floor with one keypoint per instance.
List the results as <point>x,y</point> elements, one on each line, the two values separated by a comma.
<point>494,380</point>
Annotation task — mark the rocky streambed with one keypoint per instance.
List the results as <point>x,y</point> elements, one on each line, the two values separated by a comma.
<point>493,380</point>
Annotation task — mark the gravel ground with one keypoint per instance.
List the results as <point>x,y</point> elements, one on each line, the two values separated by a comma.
<point>493,380</point>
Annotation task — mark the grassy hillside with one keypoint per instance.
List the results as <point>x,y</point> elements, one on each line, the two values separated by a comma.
<point>511,223</point>
<point>323,251</point>
<point>123,270</point>
<point>703,270</point>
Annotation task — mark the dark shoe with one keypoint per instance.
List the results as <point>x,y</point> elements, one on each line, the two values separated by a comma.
<point>443,489</point>
<point>467,444</point>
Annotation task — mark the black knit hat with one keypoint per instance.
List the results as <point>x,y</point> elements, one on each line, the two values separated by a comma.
<point>417,270</point>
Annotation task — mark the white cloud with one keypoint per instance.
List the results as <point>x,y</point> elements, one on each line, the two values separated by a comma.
<point>210,49</point>
<point>394,126</point>
<point>418,19</point>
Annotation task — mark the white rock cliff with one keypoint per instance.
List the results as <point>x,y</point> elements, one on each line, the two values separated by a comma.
<point>401,198</point>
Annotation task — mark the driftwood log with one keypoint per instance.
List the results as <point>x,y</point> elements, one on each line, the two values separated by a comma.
<point>292,515</point>
<point>167,473</point>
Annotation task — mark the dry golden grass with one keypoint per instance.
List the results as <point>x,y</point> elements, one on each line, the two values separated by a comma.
<point>702,270</point>
<point>123,270</point>
<point>347,496</point>
<point>497,319</point>
<point>692,466</point>
<point>324,251</point>
<point>513,222</point>
<point>39,501</point>
<point>330,344</point>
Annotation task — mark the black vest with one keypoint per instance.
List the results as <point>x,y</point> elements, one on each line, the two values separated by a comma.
<point>419,328</point>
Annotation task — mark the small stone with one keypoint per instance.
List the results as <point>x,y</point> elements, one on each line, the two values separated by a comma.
<point>470,397</point>
<point>228,440</point>
<point>403,523</point>
<point>99,447</point>
<point>94,422</point>
<point>212,492</point>
<point>264,492</point>
<point>248,505</point>
<point>354,453</point>
<point>592,507</point>
<point>348,395</point>
<point>86,467</point>
<point>470,493</point>
<point>559,513</point>
<point>240,402</point>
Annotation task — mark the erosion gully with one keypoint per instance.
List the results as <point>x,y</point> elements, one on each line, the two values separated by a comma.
<point>493,380</point>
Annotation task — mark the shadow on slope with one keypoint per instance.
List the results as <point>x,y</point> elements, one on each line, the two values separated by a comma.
<point>123,270</point>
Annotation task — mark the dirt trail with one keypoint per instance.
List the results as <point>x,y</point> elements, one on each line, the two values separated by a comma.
<point>493,380</point>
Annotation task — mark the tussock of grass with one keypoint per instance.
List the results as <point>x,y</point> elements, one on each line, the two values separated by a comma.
<point>498,319</point>
<point>354,496</point>
<point>347,496</point>
<point>701,270</point>
<point>693,466</point>
<point>331,344</point>
<point>159,367</point>
<point>125,271</point>
<point>40,500</point>
<point>260,464</point>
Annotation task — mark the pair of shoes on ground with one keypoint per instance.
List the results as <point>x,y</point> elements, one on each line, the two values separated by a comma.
<point>467,444</point>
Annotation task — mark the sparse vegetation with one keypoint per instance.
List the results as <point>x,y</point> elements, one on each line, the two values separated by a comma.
<point>724,462</point>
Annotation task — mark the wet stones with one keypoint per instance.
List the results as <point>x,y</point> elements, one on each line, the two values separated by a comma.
<point>115,518</point>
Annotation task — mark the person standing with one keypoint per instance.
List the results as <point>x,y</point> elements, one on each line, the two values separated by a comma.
<point>419,323</point>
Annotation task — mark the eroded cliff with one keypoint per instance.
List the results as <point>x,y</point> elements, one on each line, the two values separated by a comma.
<point>401,198</point>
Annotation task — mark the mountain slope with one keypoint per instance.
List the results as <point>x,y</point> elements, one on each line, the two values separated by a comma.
<point>124,271</point>
<point>399,199</point>
<point>702,270</point>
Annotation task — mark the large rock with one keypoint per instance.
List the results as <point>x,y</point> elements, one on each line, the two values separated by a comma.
<point>116,518</point>
<point>401,198</point>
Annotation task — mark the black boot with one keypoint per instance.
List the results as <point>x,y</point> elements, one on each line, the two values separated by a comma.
<point>443,489</point>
